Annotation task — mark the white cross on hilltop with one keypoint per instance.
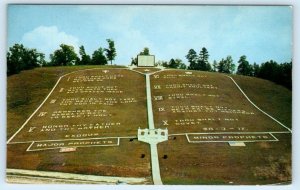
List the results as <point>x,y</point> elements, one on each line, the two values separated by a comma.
<point>105,71</point>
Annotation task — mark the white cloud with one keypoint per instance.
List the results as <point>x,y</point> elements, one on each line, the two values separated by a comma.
<point>131,43</point>
<point>48,38</point>
<point>129,40</point>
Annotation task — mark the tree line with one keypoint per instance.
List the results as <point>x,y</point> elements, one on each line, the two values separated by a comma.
<point>280,73</point>
<point>21,58</point>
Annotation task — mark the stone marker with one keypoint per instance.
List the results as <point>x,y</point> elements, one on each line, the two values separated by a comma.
<point>236,143</point>
<point>146,60</point>
<point>67,149</point>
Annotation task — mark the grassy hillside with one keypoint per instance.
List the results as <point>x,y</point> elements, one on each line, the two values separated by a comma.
<point>270,97</point>
<point>203,102</point>
<point>27,90</point>
<point>204,95</point>
<point>186,163</point>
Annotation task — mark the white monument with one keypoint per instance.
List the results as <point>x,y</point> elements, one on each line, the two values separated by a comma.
<point>152,135</point>
<point>146,60</point>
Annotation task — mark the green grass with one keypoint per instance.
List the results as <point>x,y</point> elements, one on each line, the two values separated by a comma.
<point>212,163</point>
<point>218,162</point>
<point>228,96</point>
<point>27,90</point>
<point>131,84</point>
<point>270,97</point>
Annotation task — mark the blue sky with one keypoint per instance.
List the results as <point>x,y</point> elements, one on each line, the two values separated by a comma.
<point>259,32</point>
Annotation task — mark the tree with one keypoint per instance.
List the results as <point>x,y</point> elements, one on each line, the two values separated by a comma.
<point>256,69</point>
<point>133,61</point>
<point>20,58</point>
<point>285,75</point>
<point>215,66</point>
<point>221,66</point>
<point>203,63</point>
<point>30,59</point>
<point>269,70</point>
<point>111,50</point>
<point>198,63</point>
<point>98,58</point>
<point>162,63</point>
<point>226,65</point>
<point>85,59</point>
<point>192,59</point>
<point>173,63</point>
<point>165,64</point>
<point>145,51</point>
<point>14,59</point>
<point>244,67</point>
<point>230,65</point>
<point>208,67</point>
<point>180,64</point>
<point>203,55</point>
<point>41,60</point>
<point>278,73</point>
<point>64,56</point>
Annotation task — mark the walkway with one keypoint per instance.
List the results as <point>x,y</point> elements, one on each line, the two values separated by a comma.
<point>153,146</point>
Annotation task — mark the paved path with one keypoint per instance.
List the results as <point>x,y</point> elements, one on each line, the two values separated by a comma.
<point>153,146</point>
<point>155,165</point>
<point>149,103</point>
